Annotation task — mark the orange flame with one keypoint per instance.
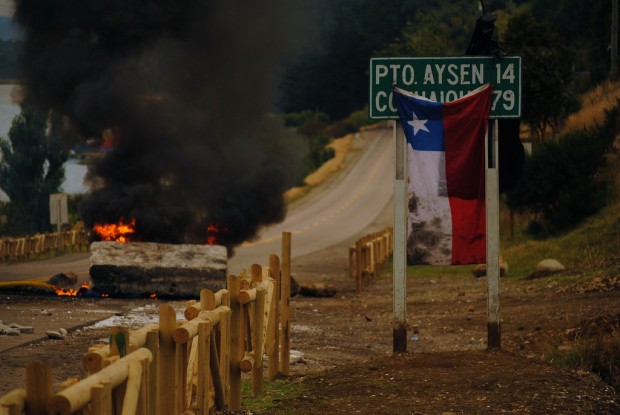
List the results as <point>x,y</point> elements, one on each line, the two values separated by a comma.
<point>212,231</point>
<point>118,232</point>
<point>216,233</point>
<point>70,291</point>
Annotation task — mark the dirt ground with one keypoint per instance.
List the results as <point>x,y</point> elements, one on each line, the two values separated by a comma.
<point>348,365</point>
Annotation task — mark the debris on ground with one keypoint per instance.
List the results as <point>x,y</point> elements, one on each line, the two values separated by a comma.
<point>595,285</point>
<point>57,335</point>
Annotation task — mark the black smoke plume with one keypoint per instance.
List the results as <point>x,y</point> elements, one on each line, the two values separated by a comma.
<point>184,90</point>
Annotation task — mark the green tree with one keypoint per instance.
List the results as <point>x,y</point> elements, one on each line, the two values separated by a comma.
<point>331,74</point>
<point>547,65</point>
<point>442,32</point>
<point>32,167</point>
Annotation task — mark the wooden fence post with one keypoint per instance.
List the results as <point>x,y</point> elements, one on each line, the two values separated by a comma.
<point>77,396</point>
<point>204,369</point>
<point>285,300</point>
<point>359,256</point>
<point>225,332</point>
<point>101,399</point>
<point>132,393</point>
<point>152,343</point>
<point>273,350</point>
<point>236,343</point>
<point>180,377</point>
<point>257,331</point>
<point>166,379</point>
<point>39,389</point>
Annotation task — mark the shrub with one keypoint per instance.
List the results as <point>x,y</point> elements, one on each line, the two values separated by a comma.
<point>563,181</point>
<point>595,348</point>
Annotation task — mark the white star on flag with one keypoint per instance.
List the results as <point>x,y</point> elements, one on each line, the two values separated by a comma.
<point>418,124</point>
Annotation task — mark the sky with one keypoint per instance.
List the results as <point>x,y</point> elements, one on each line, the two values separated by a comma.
<point>6,7</point>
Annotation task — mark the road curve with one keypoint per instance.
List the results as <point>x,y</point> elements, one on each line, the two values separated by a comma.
<point>337,210</point>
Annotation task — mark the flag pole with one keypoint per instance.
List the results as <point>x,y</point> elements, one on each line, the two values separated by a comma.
<point>492,222</point>
<point>400,243</point>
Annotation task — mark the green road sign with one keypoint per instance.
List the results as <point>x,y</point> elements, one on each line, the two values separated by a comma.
<point>445,80</point>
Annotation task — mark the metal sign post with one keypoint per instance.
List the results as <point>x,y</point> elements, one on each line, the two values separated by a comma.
<point>400,242</point>
<point>492,217</point>
<point>59,214</point>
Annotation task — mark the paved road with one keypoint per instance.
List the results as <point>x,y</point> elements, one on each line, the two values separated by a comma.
<point>330,214</point>
<point>334,212</point>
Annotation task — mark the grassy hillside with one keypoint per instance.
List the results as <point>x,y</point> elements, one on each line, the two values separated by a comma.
<point>593,247</point>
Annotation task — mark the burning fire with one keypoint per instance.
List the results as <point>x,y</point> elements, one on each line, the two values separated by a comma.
<point>214,233</point>
<point>118,232</point>
<point>73,292</point>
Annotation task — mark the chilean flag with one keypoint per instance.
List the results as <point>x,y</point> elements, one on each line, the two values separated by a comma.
<point>446,166</point>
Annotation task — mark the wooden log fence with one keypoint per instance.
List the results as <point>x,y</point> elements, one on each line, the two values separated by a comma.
<point>188,366</point>
<point>35,246</point>
<point>368,257</point>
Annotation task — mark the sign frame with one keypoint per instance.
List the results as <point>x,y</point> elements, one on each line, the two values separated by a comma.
<point>445,79</point>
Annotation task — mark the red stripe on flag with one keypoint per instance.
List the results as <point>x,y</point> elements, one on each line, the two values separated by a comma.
<point>465,125</point>
<point>469,243</point>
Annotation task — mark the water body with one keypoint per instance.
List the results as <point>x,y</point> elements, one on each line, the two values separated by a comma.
<point>74,171</point>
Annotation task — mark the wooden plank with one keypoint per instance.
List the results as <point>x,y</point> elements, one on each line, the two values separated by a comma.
<point>132,391</point>
<point>257,334</point>
<point>143,396</point>
<point>166,361</point>
<point>181,359</point>
<point>152,343</point>
<point>285,300</point>
<point>225,347</point>
<point>39,388</point>
<point>101,399</point>
<point>93,359</point>
<point>274,353</point>
<point>192,311</point>
<point>216,377</point>
<point>189,330</point>
<point>192,370</point>
<point>267,337</point>
<point>236,344</point>
<point>204,368</point>
<point>78,396</point>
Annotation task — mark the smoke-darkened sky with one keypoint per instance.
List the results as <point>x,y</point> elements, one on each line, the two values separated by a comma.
<point>184,89</point>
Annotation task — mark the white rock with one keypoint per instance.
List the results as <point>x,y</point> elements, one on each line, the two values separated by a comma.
<point>549,265</point>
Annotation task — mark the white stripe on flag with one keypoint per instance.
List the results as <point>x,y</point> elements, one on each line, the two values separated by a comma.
<point>429,224</point>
